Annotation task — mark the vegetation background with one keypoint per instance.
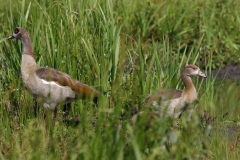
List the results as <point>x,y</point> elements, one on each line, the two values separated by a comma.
<point>129,49</point>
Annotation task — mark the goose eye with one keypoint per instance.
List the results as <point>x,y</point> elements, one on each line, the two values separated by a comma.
<point>16,30</point>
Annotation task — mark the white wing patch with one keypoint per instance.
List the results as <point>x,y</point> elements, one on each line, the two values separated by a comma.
<point>51,83</point>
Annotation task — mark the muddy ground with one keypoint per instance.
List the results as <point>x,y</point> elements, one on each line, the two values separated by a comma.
<point>228,71</point>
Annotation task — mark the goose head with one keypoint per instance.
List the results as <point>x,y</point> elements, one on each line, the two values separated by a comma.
<point>193,70</point>
<point>19,33</point>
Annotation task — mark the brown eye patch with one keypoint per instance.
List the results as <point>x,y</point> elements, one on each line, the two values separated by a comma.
<point>16,30</point>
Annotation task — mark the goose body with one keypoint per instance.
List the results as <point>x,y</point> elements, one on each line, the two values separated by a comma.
<point>176,100</point>
<point>52,92</point>
<point>54,86</point>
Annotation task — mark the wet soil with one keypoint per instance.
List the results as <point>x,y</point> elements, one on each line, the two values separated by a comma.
<point>230,132</point>
<point>228,71</point>
<point>232,73</point>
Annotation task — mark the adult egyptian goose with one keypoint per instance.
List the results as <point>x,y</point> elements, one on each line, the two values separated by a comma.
<point>54,86</point>
<point>175,99</point>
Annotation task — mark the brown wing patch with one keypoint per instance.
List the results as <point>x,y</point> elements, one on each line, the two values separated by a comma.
<point>63,79</point>
<point>164,95</point>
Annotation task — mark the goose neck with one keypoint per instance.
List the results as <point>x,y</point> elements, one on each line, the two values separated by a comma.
<point>27,46</point>
<point>188,83</point>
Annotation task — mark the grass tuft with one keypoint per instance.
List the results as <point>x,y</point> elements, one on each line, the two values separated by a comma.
<point>127,49</point>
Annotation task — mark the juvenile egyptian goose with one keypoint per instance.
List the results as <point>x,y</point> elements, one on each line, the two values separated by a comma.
<point>175,99</point>
<point>54,86</point>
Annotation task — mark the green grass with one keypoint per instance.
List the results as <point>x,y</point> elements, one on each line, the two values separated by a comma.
<point>127,49</point>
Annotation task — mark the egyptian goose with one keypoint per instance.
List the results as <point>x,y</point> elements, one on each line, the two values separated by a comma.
<point>54,86</point>
<point>175,99</point>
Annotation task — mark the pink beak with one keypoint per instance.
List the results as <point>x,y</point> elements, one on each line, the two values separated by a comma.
<point>200,74</point>
<point>11,37</point>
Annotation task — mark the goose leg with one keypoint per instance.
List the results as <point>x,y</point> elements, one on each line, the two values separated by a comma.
<point>36,108</point>
<point>54,113</point>
<point>134,111</point>
<point>66,111</point>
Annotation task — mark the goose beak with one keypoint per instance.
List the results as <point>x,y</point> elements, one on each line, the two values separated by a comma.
<point>11,37</point>
<point>200,74</point>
